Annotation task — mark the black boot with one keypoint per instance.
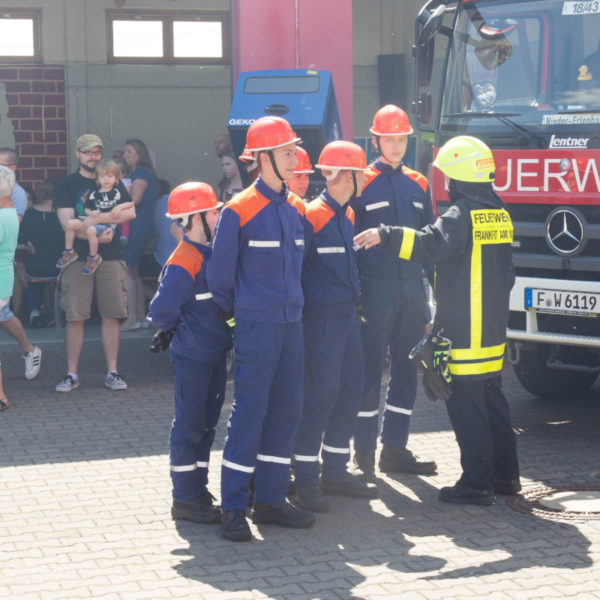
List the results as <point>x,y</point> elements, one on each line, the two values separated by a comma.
<point>401,460</point>
<point>461,494</point>
<point>199,510</point>
<point>507,487</point>
<point>234,526</point>
<point>365,462</point>
<point>353,486</point>
<point>283,514</point>
<point>310,497</point>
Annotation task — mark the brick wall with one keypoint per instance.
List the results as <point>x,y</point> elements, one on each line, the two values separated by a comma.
<point>37,111</point>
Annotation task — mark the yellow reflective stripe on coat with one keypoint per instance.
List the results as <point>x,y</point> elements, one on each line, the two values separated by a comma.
<point>476,368</point>
<point>489,227</point>
<point>408,241</point>
<point>477,353</point>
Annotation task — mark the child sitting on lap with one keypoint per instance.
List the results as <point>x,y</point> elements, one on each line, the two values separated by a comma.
<point>106,198</point>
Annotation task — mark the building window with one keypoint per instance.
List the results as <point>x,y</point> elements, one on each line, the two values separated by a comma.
<point>19,35</point>
<point>168,37</point>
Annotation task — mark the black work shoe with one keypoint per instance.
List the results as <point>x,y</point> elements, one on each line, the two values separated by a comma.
<point>353,486</point>
<point>461,494</point>
<point>310,497</point>
<point>199,510</point>
<point>283,514</point>
<point>507,487</point>
<point>402,460</point>
<point>234,526</point>
<point>365,463</point>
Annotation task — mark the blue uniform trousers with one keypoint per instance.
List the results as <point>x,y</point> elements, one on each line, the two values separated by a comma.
<point>395,313</point>
<point>333,383</point>
<point>198,395</point>
<point>266,411</point>
<point>480,417</point>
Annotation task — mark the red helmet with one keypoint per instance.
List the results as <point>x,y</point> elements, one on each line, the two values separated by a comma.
<point>246,156</point>
<point>342,155</point>
<point>303,165</point>
<point>390,120</point>
<point>190,198</point>
<point>267,133</point>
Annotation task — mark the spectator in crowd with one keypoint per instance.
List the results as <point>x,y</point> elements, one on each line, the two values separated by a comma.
<point>183,309</point>
<point>117,156</point>
<point>125,173</point>
<point>299,182</point>
<point>9,158</point>
<point>231,183</point>
<point>104,199</point>
<point>108,280</point>
<point>254,275</point>
<point>144,192</point>
<point>9,232</point>
<point>43,236</point>
<point>167,233</point>
<point>223,145</point>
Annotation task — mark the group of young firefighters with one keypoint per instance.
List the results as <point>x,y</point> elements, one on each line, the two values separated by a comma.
<point>311,311</point>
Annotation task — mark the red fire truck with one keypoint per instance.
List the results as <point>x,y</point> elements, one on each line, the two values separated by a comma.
<point>524,76</point>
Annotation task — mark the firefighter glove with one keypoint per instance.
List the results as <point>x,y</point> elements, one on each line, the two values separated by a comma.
<point>431,355</point>
<point>161,340</point>
<point>228,319</point>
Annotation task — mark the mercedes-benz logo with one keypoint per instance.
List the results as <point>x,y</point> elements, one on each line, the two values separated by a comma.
<point>565,231</point>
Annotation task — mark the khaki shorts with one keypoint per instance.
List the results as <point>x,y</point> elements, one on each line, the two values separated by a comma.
<point>76,290</point>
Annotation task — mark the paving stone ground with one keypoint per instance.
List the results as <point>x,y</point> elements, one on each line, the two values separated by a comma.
<point>86,496</point>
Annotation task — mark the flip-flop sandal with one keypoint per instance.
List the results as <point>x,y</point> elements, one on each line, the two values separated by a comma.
<point>4,404</point>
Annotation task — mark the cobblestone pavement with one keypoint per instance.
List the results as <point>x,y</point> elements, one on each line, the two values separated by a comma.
<point>86,497</point>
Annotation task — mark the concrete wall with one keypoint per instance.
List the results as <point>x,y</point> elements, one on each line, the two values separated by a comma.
<point>178,110</point>
<point>380,27</point>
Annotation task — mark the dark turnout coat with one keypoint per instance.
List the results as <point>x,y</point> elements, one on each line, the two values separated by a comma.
<point>470,245</point>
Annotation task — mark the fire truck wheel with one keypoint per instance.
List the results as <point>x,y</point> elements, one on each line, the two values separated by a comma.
<point>536,377</point>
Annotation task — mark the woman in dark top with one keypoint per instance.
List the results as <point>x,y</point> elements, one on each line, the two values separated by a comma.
<point>144,193</point>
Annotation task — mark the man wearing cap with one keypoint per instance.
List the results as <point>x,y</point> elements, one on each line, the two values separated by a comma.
<point>108,280</point>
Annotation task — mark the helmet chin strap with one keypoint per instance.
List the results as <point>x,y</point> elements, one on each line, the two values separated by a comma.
<point>378,138</point>
<point>274,164</point>
<point>206,227</point>
<point>355,184</point>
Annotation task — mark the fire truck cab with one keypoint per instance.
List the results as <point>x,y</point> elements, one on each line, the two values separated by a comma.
<point>524,76</point>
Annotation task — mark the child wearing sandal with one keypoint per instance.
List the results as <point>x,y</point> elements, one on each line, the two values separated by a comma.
<point>105,198</point>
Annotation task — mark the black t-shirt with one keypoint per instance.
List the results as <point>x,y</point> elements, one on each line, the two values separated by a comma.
<point>72,192</point>
<point>43,230</point>
<point>104,201</point>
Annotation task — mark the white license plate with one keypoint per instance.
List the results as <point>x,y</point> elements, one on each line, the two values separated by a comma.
<point>581,8</point>
<point>564,302</point>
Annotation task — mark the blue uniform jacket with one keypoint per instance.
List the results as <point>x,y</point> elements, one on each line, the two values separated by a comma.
<point>329,275</point>
<point>257,255</point>
<point>183,300</point>
<point>393,197</point>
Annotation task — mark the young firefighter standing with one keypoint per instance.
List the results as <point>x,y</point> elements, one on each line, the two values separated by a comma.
<point>254,274</point>
<point>470,245</point>
<point>334,366</point>
<point>183,309</point>
<point>300,181</point>
<point>393,299</point>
